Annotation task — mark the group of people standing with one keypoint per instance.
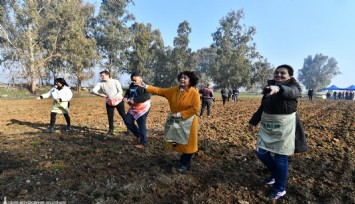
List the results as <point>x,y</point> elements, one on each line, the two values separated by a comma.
<point>227,94</point>
<point>207,96</point>
<point>341,95</point>
<point>277,115</point>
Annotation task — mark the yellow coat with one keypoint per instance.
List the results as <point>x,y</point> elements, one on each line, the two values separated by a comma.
<point>187,103</point>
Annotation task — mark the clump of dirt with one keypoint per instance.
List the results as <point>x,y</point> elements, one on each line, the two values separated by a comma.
<point>88,166</point>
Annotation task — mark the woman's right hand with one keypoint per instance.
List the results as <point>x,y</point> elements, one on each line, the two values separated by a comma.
<point>271,90</point>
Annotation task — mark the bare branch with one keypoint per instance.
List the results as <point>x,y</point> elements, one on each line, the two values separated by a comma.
<point>6,37</point>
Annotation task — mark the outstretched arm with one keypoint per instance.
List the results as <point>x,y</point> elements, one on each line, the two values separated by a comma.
<point>96,90</point>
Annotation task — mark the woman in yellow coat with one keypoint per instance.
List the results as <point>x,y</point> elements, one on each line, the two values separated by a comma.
<point>184,102</point>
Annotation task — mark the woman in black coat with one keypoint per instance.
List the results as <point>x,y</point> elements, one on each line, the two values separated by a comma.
<point>276,136</point>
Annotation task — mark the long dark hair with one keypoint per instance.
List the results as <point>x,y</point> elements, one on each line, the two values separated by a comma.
<point>62,81</point>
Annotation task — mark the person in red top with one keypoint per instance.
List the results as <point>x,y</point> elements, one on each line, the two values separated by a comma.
<point>207,97</point>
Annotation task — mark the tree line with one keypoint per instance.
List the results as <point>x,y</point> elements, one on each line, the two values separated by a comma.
<point>43,39</point>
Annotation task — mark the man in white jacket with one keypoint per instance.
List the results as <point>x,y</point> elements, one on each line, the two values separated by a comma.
<point>61,94</point>
<point>111,90</point>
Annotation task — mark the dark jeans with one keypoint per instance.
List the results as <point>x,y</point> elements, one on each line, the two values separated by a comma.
<point>310,97</point>
<point>53,119</point>
<point>277,166</point>
<point>185,159</point>
<point>208,103</point>
<point>110,111</point>
<point>224,99</point>
<point>141,130</point>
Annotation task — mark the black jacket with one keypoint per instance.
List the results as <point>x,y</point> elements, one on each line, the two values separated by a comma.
<point>224,92</point>
<point>137,94</point>
<point>284,102</point>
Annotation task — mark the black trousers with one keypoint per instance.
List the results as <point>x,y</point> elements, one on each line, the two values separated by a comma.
<point>185,159</point>
<point>224,98</point>
<point>53,119</point>
<point>110,112</point>
<point>208,103</point>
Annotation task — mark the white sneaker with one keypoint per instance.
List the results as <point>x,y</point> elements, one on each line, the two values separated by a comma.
<point>276,194</point>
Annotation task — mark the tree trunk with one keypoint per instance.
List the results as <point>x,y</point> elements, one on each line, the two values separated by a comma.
<point>78,87</point>
<point>33,79</point>
<point>33,85</point>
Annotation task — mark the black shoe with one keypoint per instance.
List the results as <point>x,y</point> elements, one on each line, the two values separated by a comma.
<point>49,130</point>
<point>110,132</point>
<point>67,129</point>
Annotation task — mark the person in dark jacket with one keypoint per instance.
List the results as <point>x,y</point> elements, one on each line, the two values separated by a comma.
<point>310,94</point>
<point>230,94</point>
<point>328,95</point>
<point>139,101</point>
<point>235,94</point>
<point>276,136</point>
<point>224,93</point>
<point>207,97</point>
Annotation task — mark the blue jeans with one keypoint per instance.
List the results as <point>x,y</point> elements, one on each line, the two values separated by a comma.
<point>277,166</point>
<point>141,130</point>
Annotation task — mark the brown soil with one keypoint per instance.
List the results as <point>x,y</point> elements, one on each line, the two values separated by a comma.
<point>88,166</point>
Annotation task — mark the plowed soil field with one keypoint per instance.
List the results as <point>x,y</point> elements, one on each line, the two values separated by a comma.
<point>88,166</point>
